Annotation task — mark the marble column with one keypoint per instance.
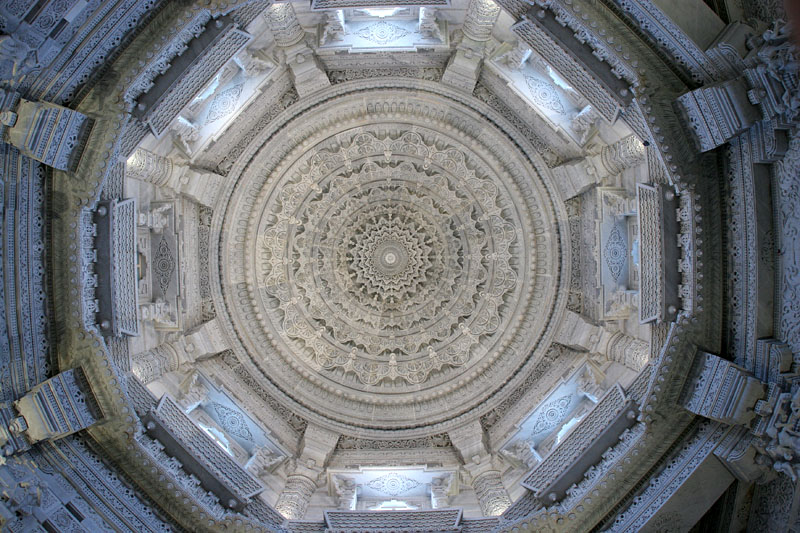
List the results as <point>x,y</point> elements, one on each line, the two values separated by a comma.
<point>492,494</point>
<point>200,185</point>
<point>306,70</point>
<point>150,365</point>
<point>465,64</point>
<point>578,333</point>
<point>576,177</point>
<point>317,446</point>
<point>293,500</point>
<point>628,351</point>
<point>485,476</point>
<point>480,19</point>
<point>205,341</point>
<point>625,153</point>
<point>146,166</point>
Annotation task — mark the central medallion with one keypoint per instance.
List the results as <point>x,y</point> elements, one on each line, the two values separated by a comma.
<point>401,269</point>
<point>388,260</point>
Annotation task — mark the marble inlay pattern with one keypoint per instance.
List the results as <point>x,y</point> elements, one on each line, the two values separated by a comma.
<point>163,265</point>
<point>551,414</point>
<point>232,421</point>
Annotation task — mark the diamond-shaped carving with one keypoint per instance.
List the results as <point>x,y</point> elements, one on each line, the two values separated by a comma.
<point>164,265</point>
<point>544,95</point>
<point>232,421</point>
<point>224,103</point>
<point>382,32</point>
<point>616,252</point>
<point>393,484</point>
<point>551,415</point>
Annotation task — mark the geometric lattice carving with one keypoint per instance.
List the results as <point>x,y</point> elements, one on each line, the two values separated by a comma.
<point>116,291</point>
<point>126,295</point>
<point>339,4</point>
<point>651,291</point>
<point>658,253</point>
<point>435,520</point>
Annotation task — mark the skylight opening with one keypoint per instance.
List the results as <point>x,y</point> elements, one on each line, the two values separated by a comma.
<point>382,12</point>
<point>394,505</point>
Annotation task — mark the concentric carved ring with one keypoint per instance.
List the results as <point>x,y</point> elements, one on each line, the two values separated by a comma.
<point>389,260</point>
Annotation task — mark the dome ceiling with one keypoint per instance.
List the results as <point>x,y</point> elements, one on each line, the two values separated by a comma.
<point>387,254</point>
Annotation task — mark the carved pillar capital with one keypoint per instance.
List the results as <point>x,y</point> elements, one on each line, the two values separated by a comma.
<point>146,166</point>
<point>480,19</point>
<point>469,441</point>
<point>440,491</point>
<point>345,492</point>
<point>307,72</point>
<point>150,365</point>
<point>318,444</point>
<point>293,500</point>
<point>578,333</point>
<point>492,495</point>
<point>262,461</point>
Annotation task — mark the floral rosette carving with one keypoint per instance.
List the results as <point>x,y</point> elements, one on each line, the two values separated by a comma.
<point>389,258</point>
<point>386,256</point>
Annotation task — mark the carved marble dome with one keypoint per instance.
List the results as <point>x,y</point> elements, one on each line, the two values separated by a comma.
<point>445,266</point>
<point>401,257</point>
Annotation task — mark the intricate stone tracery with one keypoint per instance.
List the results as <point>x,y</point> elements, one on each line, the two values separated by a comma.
<point>388,256</point>
<point>391,287</point>
<point>393,258</point>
